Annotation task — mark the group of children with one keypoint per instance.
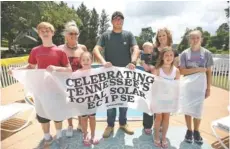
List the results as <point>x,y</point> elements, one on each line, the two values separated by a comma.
<point>48,56</point>
<point>164,68</point>
<point>167,65</point>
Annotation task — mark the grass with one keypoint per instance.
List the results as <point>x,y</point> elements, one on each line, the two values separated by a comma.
<point>221,81</point>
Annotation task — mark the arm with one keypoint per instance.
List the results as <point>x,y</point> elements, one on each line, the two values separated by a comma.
<point>209,77</point>
<point>32,62</point>
<point>187,71</point>
<point>27,66</point>
<point>67,68</point>
<point>136,53</point>
<point>209,63</point>
<point>97,53</point>
<point>84,48</point>
<point>177,74</point>
<point>156,72</point>
<point>209,80</point>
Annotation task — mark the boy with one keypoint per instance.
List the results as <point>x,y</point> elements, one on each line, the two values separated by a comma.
<point>47,56</point>
<point>146,62</point>
<point>146,57</point>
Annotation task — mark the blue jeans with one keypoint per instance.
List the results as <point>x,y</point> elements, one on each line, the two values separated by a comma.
<point>111,116</point>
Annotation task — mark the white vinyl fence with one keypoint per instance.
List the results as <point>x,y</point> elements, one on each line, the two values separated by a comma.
<point>220,72</point>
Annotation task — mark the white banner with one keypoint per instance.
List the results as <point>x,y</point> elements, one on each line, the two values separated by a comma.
<point>192,94</point>
<point>59,96</point>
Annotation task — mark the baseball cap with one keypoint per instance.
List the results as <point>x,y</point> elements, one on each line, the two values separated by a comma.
<point>116,14</point>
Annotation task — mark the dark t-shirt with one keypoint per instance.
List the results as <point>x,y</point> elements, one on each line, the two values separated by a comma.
<point>155,56</point>
<point>117,47</point>
<point>147,58</point>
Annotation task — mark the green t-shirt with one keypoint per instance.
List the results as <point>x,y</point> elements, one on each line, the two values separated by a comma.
<point>117,47</point>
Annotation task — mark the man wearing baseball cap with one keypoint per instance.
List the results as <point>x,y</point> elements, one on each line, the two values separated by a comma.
<point>117,44</point>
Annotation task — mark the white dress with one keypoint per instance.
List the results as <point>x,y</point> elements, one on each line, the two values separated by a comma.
<point>166,93</point>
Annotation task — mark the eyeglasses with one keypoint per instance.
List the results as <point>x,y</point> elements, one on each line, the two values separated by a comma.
<point>73,34</point>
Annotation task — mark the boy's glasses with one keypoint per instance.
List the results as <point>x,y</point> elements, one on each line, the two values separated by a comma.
<point>73,34</point>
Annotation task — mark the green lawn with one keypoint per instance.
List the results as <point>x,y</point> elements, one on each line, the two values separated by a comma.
<point>221,81</point>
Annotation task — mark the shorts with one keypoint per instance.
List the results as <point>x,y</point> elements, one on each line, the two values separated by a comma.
<point>89,115</point>
<point>44,120</point>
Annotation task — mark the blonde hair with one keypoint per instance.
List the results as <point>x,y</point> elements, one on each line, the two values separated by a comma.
<point>86,53</point>
<point>147,44</point>
<point>45,25</point>
<point>169,37</point>
<point>160,60</point>
<point>70,26</point>
<point>195,32</point>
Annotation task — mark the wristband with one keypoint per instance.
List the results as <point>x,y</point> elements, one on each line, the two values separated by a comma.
<point>134,63</point>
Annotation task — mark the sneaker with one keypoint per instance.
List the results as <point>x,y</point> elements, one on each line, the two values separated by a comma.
<point>197,138</point>
<point>45,143</point>
<point>69,132</point>
<point>188,136</point>
<point>107,132</point>
<point>127,129</point>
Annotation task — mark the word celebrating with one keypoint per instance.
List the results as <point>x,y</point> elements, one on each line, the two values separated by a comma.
<point>108,87</point>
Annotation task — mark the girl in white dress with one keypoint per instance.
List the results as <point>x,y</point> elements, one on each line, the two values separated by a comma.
<point>166,70</point>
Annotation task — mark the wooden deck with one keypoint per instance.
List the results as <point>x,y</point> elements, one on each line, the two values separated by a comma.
<point>215,107</point>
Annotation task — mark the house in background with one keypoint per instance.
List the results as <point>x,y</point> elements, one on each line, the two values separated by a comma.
<point>22,44</point>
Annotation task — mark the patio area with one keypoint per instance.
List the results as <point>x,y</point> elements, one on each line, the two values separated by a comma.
<point>215,107</point>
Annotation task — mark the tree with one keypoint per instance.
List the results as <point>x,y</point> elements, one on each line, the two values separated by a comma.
<point>93,29</point>
<point>104,22</point>
<point>18,17</point>
<point>146,34</point>
<point>227,10</point>
<point>58,15</point>
<point>221,39</point>
<point>21,16</point>
<point>184,42</point>
<point>84,15</point>
<point>206,39</point>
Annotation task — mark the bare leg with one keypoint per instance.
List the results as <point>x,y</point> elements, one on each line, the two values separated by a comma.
<point>79,123</point>
<point>165,125</point>
<point>92,123</point>
<point>188,120</point>
<point>84,124</point>
<point>157,124</point>
<point>79,120</point>
<point>58,126</point>
<point>70,122</point>
<point>196,123</point>
<point>46,127</point>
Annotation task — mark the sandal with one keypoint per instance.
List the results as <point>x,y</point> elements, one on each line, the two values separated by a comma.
<point>86,141</point>
<point>157,143</point>
<point>164,144</point>
<point>148,131</point>
<point>94,141</point>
